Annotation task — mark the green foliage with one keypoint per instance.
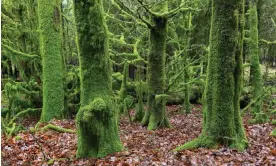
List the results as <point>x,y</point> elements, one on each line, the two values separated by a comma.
<point>259,118</point>
<point>273,133</point>
<point>19,41</point>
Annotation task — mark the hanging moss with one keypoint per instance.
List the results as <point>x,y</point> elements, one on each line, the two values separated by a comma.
<point>49,18</point>
<point>255,70</point>
<point>222,123</point>
<point>97,127</point>
<point>156,113</point>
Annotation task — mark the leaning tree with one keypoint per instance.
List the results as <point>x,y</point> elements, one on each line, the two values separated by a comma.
<point>97,127</point>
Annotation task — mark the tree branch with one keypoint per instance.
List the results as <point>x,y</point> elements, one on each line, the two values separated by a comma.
<point>19,52</point>
<point>175,11</point>
<point>267,42</point>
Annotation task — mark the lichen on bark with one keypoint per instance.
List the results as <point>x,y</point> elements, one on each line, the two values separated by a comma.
<point>97,127</point>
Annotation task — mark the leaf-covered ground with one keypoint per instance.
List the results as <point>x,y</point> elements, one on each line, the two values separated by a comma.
<point>142,147</point>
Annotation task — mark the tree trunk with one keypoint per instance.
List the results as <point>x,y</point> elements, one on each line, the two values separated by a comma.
<point>97,127</point>
<point>123,89</point>
<point>186,75</point>
<point>139,91</point>
<point>156,113</point>
<point>255,68</point>
<point>50,29</point>
<point>222,121</point>
<point>256,80</point>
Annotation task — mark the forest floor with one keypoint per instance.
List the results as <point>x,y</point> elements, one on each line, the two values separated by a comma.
<point>142,147</point>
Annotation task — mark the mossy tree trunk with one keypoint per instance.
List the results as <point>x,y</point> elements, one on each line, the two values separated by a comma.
<point>222,121</point>
<point>97,127</point>
<point>123,89</point>
<point>255,69</point>
<point>139,91</point>
<point>156,113</point>
<point>49,18</point>
<point>186,75</point>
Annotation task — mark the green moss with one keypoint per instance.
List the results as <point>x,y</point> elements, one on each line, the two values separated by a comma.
<point>118,76</point>
<point>123,89</point>
<point>32,129</point>
<point>201,141</point>
<point>156,114</point>
<point>17,138</point>
<point>273,122</point>
<point>49,18</point>
<point>187,72</point>
<point>57,128</point>
<point>255,70</point>
<point>187,104</point>
<point>222,124</point>
<point>273,133</point>
<point>139,90</point>
<point>259,118</point>
<point>51,161</point>
<point>97,127</point>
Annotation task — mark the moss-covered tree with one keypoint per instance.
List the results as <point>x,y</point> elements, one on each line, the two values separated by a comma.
<point>49,18</point>
<point>156,114</point>
<point>255,69</point>
<point>155,17</point>
<point>139,91</point>
<point>97,127</point>
<point>123,89</point>
<point>186,74</point>
<point>222,121</point>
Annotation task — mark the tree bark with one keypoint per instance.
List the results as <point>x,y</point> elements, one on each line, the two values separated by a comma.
<point>97,127</point>
<point>222,121</point>
<point>156,113</point>
<point>49,18</point>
